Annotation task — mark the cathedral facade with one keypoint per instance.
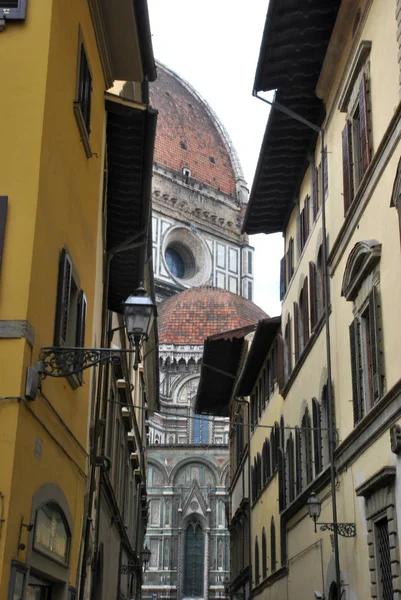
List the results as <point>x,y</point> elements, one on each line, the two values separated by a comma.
<point>203,270</point>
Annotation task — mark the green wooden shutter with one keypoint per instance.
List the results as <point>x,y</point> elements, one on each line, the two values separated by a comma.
<point>364,125</point>
<point>375,344</point>
<point>63,299</point>
<point>348,181</point>
<point>356,366</point>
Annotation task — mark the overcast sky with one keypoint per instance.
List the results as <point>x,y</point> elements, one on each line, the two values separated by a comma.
<point>214,45</point>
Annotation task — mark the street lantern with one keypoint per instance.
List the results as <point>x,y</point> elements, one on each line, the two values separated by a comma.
<point>139,313</point>
<point>314,507</point>
<point>145,557</point>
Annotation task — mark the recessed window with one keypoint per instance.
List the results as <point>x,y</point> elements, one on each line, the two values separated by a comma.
<point>180,261</point>
<point>52,536</point>
<point>175,262</point>
<point>83,97</point>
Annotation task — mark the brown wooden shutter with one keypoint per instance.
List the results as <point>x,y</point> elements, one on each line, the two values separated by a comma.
<point>296,331</point>
<point>298,462</point>
<point>375,345</point>
<point>282,278</point>
<point>312,294</point>
<point>315,193</point>
<point>364,125</point>
<point>348,180</point>
<point>3,218</point>
<point>63,299</point>
<point>280,362</point>
<point>356,366</point>
<point>305,313</point>
<point>302,228</point>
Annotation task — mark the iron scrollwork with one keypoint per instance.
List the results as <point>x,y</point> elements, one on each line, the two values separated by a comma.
<point>347,530</point>
<point>63,361</point>
<point>129,569</point>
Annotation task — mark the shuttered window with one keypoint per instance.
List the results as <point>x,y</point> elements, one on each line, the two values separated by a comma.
<point>315,193</point>
<point>366,357</point>
<point>283,281</point>
<point>273,560</point>
<point>306,448</point>
<point>288,350</point>
<point>290,469</point>
<point>305,313</point>
<point>313,295</point>
<point>84,97</point>
<point>264,554</point>
<point>325,174</point>
<point>279,361</point>
<point>298,460</point>
<point>296,331</point>
<point>356,144</point>
<point>257,572</point>
<point>317,436</point>
<point>281,481</point>
<point>3,217</point>
<point>71,308</point>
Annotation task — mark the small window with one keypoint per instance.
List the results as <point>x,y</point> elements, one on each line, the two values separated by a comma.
<point>13,10</point>
<point>83,98</point>
<point>186,174</point>
<point>249,290</point>
<point>250,262</point>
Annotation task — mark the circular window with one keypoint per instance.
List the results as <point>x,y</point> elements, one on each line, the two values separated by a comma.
<point>175,262</point>
<point>187,256</point>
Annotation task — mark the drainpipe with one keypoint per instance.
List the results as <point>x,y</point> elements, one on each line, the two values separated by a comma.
<point>330,416</point>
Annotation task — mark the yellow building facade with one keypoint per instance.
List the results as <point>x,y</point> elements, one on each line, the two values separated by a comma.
<point>348,86</point>
<point>58,60</point>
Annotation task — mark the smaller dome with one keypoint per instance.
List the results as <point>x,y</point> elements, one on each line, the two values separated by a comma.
<point>197,313</point>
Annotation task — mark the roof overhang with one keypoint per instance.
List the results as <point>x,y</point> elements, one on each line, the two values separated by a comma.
<point>124,39</point>
<point>262,340</point>
<point>293,48</point>
<point>223,356</point>
<point>130,137</point>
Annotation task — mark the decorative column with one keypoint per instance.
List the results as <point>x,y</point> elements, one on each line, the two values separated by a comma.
<point>180,571</point>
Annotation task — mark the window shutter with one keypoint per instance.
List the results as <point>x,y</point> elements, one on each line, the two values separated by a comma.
<point>281,480</point>
<point>317,436</point>
<point>282,278</point>
<point>348,181</point>
<point>63,299</point>
<point>12,9</point>
<point>375,345</point>
<point>315,193</point>
<point>298,461</point>
<point>355,344</point>
<point>306,217</point>
<point>305,311</point>
<point>81,323</point>
<point>312,294</point>
<point>302,228</point>
<point>364,122</point>
<point>291,258</point>
<point>3,217</point>
<point>326,174</point>
<point>296,331</point>
<point>280,362</point>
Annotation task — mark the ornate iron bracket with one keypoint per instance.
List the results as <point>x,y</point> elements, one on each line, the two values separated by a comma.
<point>130,569</point>
<point>347,530</point>
<point>58,361</point>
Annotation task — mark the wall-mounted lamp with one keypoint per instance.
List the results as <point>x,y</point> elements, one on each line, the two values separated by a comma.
<point>314,505</point>
<point>145,557</point>
<point>139,312</point>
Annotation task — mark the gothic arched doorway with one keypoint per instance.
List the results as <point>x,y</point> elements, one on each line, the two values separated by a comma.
<point>193,573</point>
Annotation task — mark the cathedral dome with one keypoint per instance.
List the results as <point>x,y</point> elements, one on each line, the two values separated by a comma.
<point>190,139</point>
<point>197,313</point>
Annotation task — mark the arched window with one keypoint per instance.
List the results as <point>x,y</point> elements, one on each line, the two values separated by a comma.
<point>52,536</point>
<point>306,448</point>
<point>193,573</point>
<point>264,554</point>
<point>290,468</point>
<point>253,479</point>
<point>273,450</point>
<point>304,316</point>
<point>282,432</point>
<point>317,436</point>
<point>257,572</point>
<point>288,349</point>
<point>273,562</point>
<point>259,472</point>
